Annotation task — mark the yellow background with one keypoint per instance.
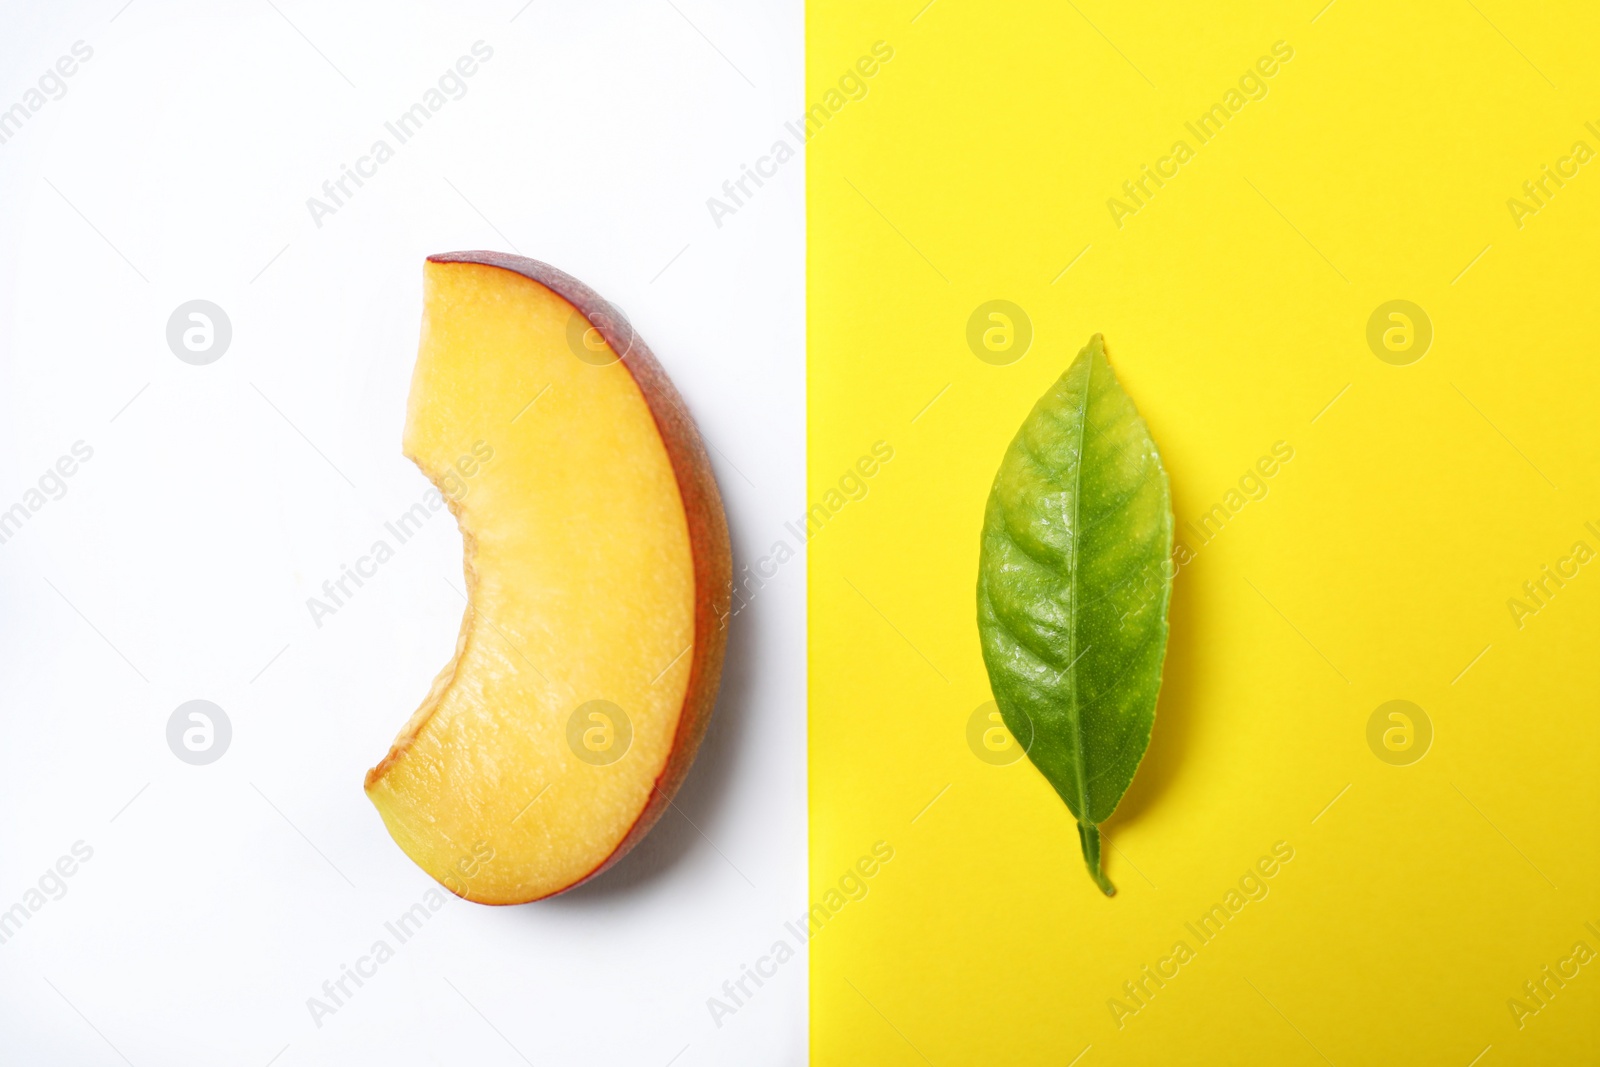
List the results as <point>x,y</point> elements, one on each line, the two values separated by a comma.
<point>1378,567</point>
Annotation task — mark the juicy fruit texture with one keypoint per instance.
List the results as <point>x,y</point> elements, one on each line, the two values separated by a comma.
<point>597,575</point>
<point>1074,577</point>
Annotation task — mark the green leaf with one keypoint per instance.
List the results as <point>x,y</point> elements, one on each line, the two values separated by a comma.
<point>1073,582</point>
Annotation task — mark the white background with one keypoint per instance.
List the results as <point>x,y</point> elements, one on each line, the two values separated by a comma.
<point>177,565</point>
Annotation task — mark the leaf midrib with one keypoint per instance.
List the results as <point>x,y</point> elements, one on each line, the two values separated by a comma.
<point>1073,582</point>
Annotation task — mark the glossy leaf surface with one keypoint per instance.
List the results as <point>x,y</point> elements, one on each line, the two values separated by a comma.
<point>1074,578</point>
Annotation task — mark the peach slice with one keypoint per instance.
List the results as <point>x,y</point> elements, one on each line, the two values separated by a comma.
<point>598,584</point>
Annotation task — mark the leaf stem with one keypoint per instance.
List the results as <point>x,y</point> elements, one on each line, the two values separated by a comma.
<point>1089,836</point>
